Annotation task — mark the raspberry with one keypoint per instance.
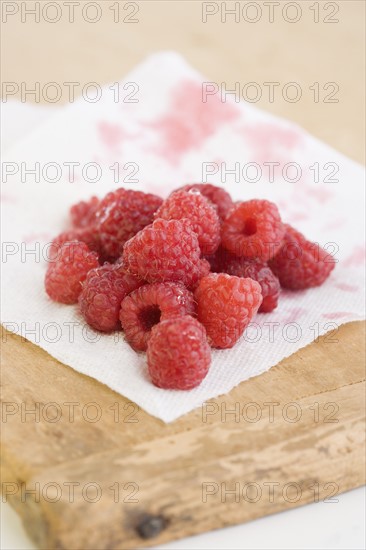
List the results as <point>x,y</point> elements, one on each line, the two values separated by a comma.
<point>202,215</point>
<point>178,354</point>
<point>121,214</point>
<point>225,306</point>
<point>87,235</point>
<point>253,229</point>
<point>204,269</point>
<point>258,271</point>
<point>65,275</point>
<point>215,260</point>
<point>150,304</point>
<point>102,293</point>
<point>167,250</point>
<point>83,213</point>
<point>300,263</point>
<point>217,195</point>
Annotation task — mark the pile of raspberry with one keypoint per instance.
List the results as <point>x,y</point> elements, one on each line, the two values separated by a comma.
<point>179,276</point>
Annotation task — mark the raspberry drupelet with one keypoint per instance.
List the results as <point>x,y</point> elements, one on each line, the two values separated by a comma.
<point>204,269</point>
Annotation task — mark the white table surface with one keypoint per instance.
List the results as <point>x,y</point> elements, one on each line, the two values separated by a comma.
<point>322,526</point>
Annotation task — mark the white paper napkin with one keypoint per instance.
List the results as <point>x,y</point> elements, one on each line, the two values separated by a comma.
<point>161,141</point>
<point>19,119</point>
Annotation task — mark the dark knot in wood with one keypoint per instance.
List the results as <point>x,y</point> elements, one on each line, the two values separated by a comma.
<point>151,526</point>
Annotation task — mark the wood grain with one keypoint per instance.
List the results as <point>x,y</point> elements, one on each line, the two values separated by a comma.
<point>174,467</point>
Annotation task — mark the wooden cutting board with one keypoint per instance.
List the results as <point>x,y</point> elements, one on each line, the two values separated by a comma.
<point>88,469</point>
<point>153,482</point>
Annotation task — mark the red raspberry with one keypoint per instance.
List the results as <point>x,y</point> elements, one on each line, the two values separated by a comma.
<point>83,213</point>
<point>121,214</point>
<point>253,229</point>
<point>167,250</point>
<point>204,270</point>
<point>150,304</point>
<point>103,291</point>
<point>225,306</point>
<point>178,355</point>
<point>258,271</point>
<point>217,195</point>
<point>65,275</point>
<point>300,263</point>
<point>201,214</point>
<point>87,235</point>
<point>216,260</point>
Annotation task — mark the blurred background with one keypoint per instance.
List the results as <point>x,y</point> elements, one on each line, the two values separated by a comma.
<point>318,45</point>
